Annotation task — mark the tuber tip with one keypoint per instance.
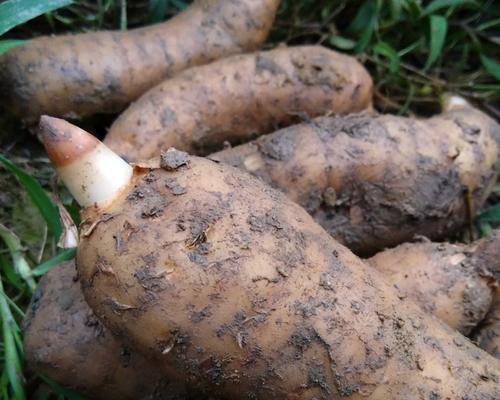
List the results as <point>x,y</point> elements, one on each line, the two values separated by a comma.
<point>92,172</point>
<point>63,141</point>
<point>451,102</point>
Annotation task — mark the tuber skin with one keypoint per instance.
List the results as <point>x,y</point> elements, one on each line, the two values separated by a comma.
<point>209,270</point>
<point>376,181</point>
<point>455,282</point>
<point>237,287</point>
<point>487,336</point>
<point>239,98</point>
<point>75,75</point>
<point>85,342</point>
<point>64,341</point>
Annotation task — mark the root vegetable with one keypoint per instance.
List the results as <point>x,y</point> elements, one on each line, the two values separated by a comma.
<point>452,281</point>
<point>209,270</point>
<point>238,98</point>
<point>487,335</point>
<point>64,341</point>
<point>375,181</point>
<point>86,73</point>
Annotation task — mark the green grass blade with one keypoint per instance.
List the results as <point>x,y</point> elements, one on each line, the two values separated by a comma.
<point>123,15</point>
<point>491,66</point>
<point>342,43</point>
<point>439,4</point>
<point>7,269</point>
<point>489,24</point>
<point>386,50</point>
<point>62,391</point>
<point>12,304</point>
<point>16,12</point>
<point>364,23</point>
<point>64,255</point>
<point>157,10</point>
<point>21,266</point>
<point>12,364</point>
<point>413,8</point>
<point>6,45</point>
<point>437,36</point>
<point>395,7</point>
<point>41,200</point>
<point>490,215</point>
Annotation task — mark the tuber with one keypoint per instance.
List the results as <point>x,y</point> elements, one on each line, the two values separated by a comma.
<point>454,282</point>
<point>207,269</point>
<point>64,341</point>
<point>375,181</point>
<point>487,336</point>
<point>74,75</point>
<point>238,98</point>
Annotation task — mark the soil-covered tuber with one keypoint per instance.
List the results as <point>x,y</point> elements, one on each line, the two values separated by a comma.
<point>487,336</point>
<point>455,282</point>
<point>376,181</point>
<point>239,98</point>
<point>98,72</point>
<point>64,341</point>
<point>206,268</point>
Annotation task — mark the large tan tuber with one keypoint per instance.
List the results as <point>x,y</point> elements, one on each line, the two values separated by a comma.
<point>97,72</point>
<point>375,181</point>
<point>206,269</point>
<point>238,98</point>
<point>64,341</point>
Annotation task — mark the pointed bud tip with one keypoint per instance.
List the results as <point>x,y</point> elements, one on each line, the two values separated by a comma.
<point>451,102</point>
<point>63,141</point>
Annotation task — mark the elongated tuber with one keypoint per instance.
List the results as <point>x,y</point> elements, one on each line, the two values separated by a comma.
<point>205,268</point>
<point>66,342</point>
<point>74,75</point>
<point>238,98</point>
<point>375,181</point>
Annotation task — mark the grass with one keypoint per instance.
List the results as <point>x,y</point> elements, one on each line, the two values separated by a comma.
<point>415,50</point>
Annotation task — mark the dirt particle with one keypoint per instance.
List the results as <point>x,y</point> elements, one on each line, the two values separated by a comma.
<point>153,212</point>
<point>175,187</point>
<point>198,316</point>
<point>327,281</point>
<point>300,340</point>
<point>344,387</point>
<point>151,280</point>
<point>356,307</point>
<point>149,178</point>
<point>434,396</point>
<point>137,194</point>
<point>168,117</point>
<point>263,63</point>
<point>279,148</point>
<point>330,197</point>
<point>117,307</point>
<point>173,159</point>
<point>103,266</point>
<point>316,377</point>
<point>282,271</point>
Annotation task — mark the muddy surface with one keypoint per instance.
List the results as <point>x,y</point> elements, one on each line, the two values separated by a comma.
<point>239,98</point>
<point>374,181</point>
<point>234,286</point>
